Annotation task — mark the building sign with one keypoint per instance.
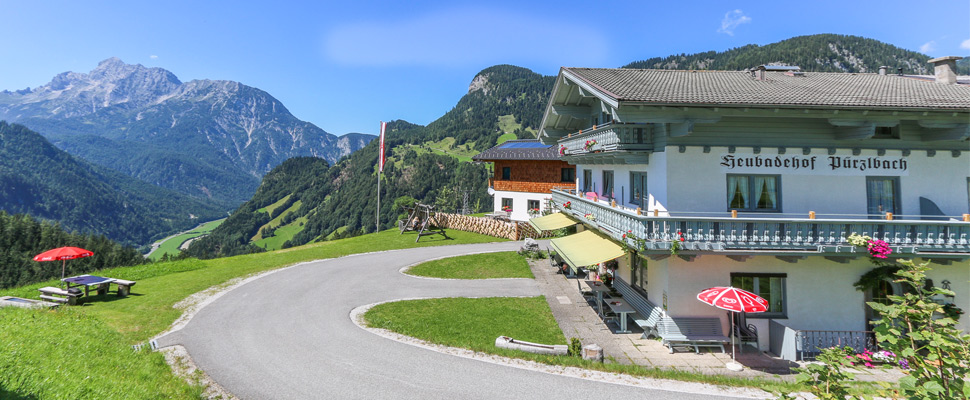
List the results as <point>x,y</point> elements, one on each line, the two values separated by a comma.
<point>813,165</point>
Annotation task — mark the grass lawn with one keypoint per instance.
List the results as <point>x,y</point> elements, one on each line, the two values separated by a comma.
<point>476,266</point>
<point>475,323</point>
<point>282,234</point>
<point>147,312</point>
<point>69,354</point>
<point>171,246</point>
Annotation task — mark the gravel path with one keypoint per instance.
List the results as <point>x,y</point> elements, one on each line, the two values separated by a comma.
<point>291,335</point>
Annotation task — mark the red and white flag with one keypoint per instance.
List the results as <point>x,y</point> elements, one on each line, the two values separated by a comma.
<point>380,159</point>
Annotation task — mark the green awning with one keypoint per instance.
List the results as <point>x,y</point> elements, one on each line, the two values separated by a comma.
<point>586,248</point>
<point>551,222</point>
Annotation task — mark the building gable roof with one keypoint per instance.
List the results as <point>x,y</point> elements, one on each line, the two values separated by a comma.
<point>823,89</point>
<point>522,149</point>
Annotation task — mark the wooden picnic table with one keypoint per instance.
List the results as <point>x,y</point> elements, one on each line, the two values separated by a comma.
<point>88,281</point>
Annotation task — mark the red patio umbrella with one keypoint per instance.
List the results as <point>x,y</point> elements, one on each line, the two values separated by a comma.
<point>63,254</point>
<point>734,300</point>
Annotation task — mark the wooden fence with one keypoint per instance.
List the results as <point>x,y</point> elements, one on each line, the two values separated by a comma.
<point>514,230</point>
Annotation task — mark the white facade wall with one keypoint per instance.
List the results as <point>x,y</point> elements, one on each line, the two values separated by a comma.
<point>520,202</point>
<point>819,292</point>
<point>697,183</point>
<point>656,180</point>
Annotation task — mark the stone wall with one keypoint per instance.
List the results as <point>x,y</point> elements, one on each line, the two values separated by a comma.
<point>489,226</point>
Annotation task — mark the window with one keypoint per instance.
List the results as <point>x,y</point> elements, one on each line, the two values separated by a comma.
<point>587,180</point>
<point>506,204</point>
<point>533,205</point>
<point>639,268</point>
<point>608,184</point>
<point>754,192</point>
<point>769,286</point>
<point>568,175</point>
<point>506,173</point>
<point>638,188</point>
<point>882,195</point>
<point>886,132</point>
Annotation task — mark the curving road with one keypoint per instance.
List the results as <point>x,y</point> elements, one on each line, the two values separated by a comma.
<point>288,335</point>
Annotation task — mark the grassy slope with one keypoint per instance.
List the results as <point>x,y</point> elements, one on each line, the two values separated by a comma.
<point>476,266</point>
<point>171,245</point>
<point>275,222</point>
<point>281,235</point>
<point>149,310</point>
<point>272,207</point>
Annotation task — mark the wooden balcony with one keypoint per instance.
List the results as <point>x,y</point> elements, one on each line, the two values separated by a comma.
<point>614,143</point>
<point>528,186</point>
<point>790,239</point>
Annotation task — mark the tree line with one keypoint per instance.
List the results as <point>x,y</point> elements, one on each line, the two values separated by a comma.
<point>22,237</point>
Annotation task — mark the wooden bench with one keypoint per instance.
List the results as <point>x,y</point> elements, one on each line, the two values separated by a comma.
<point>648,315</point>
<point>51,293</point>
<point>693,332</point>
<point>124,287</point>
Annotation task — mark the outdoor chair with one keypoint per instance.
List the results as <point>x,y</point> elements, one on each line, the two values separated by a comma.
<point>743,331</point>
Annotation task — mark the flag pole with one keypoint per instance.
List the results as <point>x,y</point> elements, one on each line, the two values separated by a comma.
<point>380,172</point>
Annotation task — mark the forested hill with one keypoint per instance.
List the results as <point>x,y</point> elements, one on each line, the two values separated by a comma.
<point>38,179</point>
<point>22,237</point>
<point>429,163</point>
<point>819,53</point>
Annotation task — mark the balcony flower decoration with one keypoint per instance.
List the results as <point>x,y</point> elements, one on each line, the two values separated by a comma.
<point>507,208</point>
<point>638,243</point>
<point>590,217</point>
<point>533,212</point>
<point>589,144</point>
<point>562,150</point>
<point>567,205</point>
<point>878,249</point>
<point>677,243</point>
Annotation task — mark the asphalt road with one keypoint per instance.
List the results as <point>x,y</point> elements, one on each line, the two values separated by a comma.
<point>288,335</point>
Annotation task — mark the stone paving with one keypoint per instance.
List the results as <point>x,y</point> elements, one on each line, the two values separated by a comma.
<point>578,318</point>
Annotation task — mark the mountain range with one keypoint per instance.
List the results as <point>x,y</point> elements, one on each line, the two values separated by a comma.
<point>206,138</point>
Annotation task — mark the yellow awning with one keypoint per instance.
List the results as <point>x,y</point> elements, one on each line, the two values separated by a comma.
<point>551,222</point>
<point>586,248</point>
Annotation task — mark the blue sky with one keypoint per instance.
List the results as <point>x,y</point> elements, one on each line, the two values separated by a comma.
<point>345,66</point>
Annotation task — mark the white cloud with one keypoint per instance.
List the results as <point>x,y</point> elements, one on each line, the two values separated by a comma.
<point>731,21</point>
<point>153,57</point>
<point>927,47</point>
<point>965,45</point>
<point>467,36</point>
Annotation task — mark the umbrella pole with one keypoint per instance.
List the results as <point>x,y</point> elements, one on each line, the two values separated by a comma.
<point>63,268</point>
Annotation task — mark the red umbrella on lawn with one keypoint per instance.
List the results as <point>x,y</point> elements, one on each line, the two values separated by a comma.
<point>63,254</point>
<point>734,300</point>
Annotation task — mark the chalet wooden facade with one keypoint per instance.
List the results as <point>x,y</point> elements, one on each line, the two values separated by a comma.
<point>757,178</point>
<point>526,172</point>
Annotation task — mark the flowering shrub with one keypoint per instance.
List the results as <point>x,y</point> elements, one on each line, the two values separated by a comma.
<point>637,242</point>
<point>879,248</point>
<point>589,145</point>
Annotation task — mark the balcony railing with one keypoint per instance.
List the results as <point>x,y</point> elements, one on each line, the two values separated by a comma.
<point>609,137</point>
<point>949,239</point>
<point>805,345</point>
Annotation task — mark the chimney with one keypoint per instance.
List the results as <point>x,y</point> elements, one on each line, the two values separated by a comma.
<point>945,69</point>
<point>883,69</point>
